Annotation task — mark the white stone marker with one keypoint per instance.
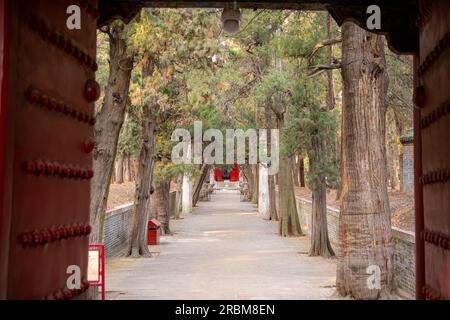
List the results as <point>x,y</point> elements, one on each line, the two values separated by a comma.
<point>187,189</point>
<point>264,209</point>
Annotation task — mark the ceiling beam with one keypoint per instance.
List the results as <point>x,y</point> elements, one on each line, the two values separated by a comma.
<point>397,21</point>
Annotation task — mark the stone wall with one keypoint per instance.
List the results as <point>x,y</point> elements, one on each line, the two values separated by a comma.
<point>405,261</point>
<point>408,168</point>
<point>304,208</point>
<point>407,165</point>
<point>116,231</point>
<point>404,245</point>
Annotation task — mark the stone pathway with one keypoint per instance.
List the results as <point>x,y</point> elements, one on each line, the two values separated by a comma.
<point>224,250</point>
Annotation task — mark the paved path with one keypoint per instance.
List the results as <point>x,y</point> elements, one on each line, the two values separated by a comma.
<point>224,250</point>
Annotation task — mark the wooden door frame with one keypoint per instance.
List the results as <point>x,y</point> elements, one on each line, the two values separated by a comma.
<point>5,23</point>
<point>5,10</point>
<point>418,193</point>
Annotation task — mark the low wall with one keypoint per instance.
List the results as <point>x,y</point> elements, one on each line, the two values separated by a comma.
<point>405,261</point>
<point>404,245</point>
<point>116,228</point>
<point>304,208</point>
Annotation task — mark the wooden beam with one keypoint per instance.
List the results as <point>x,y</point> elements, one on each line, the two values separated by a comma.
<point>398,16</point>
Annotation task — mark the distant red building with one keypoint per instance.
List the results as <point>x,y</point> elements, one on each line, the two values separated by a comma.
<point>226,174</point>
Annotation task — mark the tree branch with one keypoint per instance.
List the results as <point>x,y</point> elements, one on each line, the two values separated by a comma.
<point>320,68</point>
<point>320,45</point>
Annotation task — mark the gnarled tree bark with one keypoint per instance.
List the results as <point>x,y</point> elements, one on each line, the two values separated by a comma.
<point>109,121</point>
<point>289,223</point>
<point>301,170</point>
<point>320,242</point>
<point>179,197</point>
<point>138,242</point>
<point>120,168</point>
<point>365,261</point>
<point>199,181</point>
<point>255,179</point>
<point>160,205</point>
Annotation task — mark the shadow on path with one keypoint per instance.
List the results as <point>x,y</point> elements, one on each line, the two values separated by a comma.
<point>224,250</point>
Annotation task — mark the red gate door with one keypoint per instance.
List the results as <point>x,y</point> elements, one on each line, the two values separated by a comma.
<point>50,119</point>
<point>434,98</point>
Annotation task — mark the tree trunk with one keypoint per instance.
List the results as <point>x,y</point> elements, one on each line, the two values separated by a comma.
<point>179,197</point>
<point>272,199</point>
<point>199,181</point>
<point>392,143</point>
<point>289,222</point>
<point>160,205</point>
<point>113,175</point>
<point>128,166</point>
<point>138,244</point>
<point>320,242</point>
<point>135,167</point>
<point>400,169</point>
<point>120,169</point>
<point>246,178</point>
<point>109,121</point>
<point>365,261</point>
<point>125,168</point>
<point>255,179</point>
<point>318,155</point>
<point>249,176</point>
<point>301,165</point>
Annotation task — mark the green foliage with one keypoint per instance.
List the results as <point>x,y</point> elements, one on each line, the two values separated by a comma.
<point>297,44</point>
<point>174,50</point>
<point>285,86</point>
<point>400,89</point>
<point>165,171</point>
<point>130,139</point>
<point>310,122</point>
